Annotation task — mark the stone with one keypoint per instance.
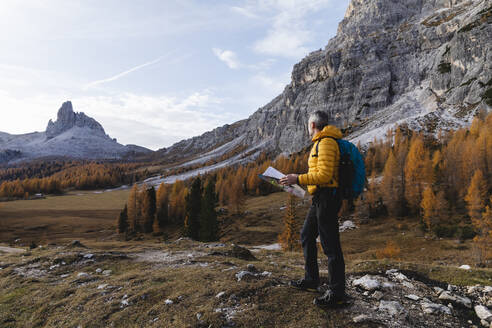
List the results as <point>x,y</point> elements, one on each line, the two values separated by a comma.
<point>392,307</point>
<point>107,272</point>
<point>219,295</point>
<point>250,267</point>
<point>102,286</point>
<point>168,302</point>
<point>447,296</point>
<point>465,267</point>
<point>438,290</point>
<point>361,318</point>
<point>433,308</point>
<point>483,312</point>
<point>412,297</point>
<point>347,225</point>
<point>98,270</point>
<point>367,282</point>
<point>89,256</point>
<point>76,243</point>
<point>377,295</point>
<point>245,275</point>
<point>82,275</point>
<point>487,289</point>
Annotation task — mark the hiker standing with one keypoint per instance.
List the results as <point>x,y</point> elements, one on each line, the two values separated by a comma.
<point>322,217</point>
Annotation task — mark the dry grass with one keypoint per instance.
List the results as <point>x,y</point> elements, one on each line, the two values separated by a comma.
<point>52,301</point>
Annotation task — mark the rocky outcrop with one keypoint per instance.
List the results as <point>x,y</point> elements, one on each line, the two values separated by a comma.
<point>67,119</point>
<point>72,135</point>
<point>423,62</point>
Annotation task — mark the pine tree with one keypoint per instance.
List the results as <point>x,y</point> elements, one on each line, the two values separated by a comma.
<point>193,209</point>
<point>148,209</point>
<point>132,209</point>
<point>209,227</point>
<point>122,224</point>
<point>289,238</point>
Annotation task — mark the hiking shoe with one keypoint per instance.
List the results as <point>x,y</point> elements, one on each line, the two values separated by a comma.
<point>329,299</point>
<point>304,284</point>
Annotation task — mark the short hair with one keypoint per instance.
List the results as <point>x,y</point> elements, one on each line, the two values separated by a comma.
<point>320,119</point>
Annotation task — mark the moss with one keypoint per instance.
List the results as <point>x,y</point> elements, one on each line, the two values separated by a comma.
<point>444,68</point>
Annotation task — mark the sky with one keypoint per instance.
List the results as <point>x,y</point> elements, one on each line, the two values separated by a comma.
<point>153,72</point>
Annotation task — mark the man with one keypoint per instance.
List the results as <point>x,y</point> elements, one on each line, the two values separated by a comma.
<point>321,219</point>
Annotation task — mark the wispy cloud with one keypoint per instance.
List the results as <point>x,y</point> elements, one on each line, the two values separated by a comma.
<point>122,74</point>
<point>290,32</point>
<point>228,57</point>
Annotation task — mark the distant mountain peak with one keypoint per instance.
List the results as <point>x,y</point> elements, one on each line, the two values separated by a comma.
<point>67,119</point>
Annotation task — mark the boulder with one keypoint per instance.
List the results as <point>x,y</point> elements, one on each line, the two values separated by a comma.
<point>367,282</point>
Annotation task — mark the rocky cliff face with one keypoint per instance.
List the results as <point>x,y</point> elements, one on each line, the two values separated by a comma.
<point>424,62</point>
<point>67,119</point>
<point>72,135</point>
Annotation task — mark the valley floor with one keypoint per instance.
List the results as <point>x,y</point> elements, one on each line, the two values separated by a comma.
<point>171,282</point>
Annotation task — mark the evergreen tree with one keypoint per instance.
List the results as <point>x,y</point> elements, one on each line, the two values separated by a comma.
<point>289,238</point>
<point>122,224</point>
<point>193,209</point>
<point>148,209</point>
<point>132,209</point>
<point>209,227</point>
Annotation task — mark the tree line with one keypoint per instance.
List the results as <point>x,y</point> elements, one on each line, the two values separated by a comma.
<point>193,208</point>
<point>444,180</point>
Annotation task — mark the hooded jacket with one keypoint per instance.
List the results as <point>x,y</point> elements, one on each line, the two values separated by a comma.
<point>323,169</point>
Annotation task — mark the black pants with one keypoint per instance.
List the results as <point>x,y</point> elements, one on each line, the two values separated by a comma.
<point>322,220</point>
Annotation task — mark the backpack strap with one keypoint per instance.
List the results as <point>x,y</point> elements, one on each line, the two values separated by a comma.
<point>317,145</point>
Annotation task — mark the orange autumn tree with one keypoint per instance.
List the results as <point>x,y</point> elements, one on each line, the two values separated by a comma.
<point>418,173</point>
<point>289,238</point>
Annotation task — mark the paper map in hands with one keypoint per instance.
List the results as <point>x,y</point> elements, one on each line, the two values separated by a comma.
<point>273,176</point>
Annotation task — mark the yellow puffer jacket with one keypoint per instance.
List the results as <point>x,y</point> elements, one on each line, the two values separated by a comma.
<point>323,169</point>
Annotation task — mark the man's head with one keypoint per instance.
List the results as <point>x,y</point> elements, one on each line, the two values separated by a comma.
<point>317,121</point>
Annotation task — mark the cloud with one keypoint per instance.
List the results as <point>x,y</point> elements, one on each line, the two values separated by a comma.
<point>149,121</point>
<point>227,56</point>
<point>122,74</point>
<point>290,31</point>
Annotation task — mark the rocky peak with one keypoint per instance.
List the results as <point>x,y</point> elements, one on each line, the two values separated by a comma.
<point>67,119</point>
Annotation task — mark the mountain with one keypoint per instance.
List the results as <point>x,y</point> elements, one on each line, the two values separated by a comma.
<point>72,135</point>
<point>422,62</point>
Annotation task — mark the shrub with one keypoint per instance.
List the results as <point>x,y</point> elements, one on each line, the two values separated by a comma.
<point>445,231</point>
<point>444,68</point>
<point>466,232</point>
<point>392,250</point>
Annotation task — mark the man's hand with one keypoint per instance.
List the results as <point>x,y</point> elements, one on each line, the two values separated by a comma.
<point>289,179</point>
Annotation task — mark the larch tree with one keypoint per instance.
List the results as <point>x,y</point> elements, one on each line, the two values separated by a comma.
<point>132,210</point>
<point>289,238</point>
<point>209,227</point>
<point>193,203</point>
<point>476,196</point>
<point>429,208</point>
<point>418,173</point>
<point>391,187</point>
<point>476,201</point>
<point>148,209</point>
<point>162,205</point>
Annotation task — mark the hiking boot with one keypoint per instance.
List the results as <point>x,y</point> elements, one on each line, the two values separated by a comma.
<point>329,299</point>
<point>304,284</point>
